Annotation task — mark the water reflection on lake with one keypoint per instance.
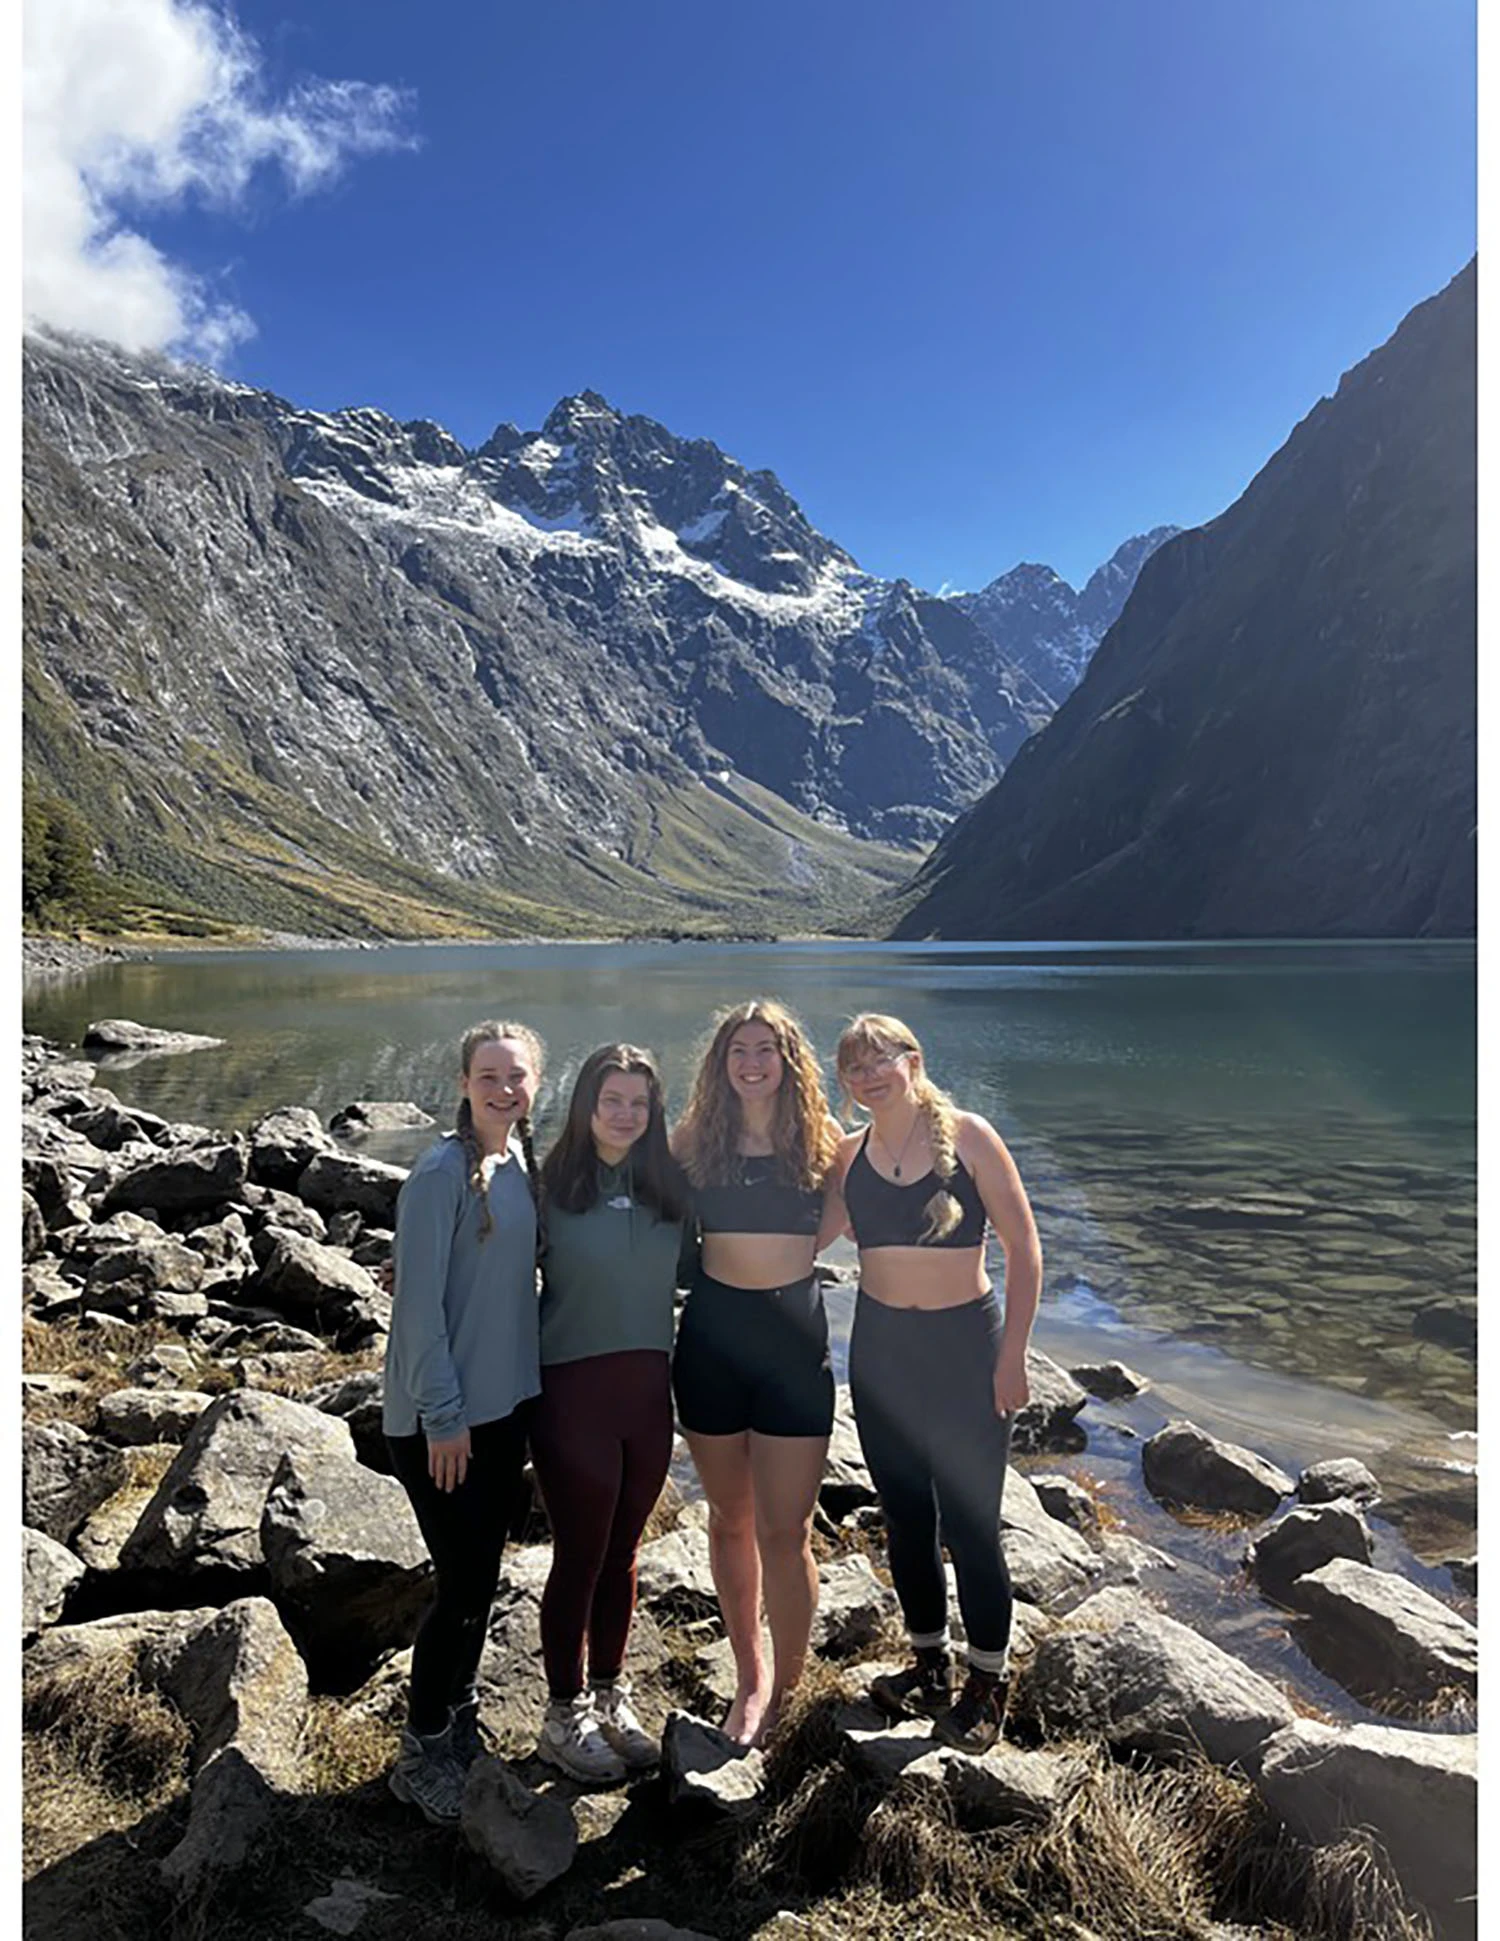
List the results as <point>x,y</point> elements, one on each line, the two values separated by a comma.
<point>1262,1154</point>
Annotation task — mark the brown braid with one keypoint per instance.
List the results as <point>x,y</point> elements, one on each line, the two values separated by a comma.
<point>489,1033</point>
<point>885,1037</point>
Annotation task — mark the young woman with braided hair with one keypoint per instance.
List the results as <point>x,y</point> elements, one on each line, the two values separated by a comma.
<point>601,1434</point>
<point>934,1373</point>
<point>461,1369</point>
<point>751,1370</point>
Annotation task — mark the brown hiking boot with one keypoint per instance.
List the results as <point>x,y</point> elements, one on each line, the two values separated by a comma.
<point>973,1722</point>
<point>923,1690</point>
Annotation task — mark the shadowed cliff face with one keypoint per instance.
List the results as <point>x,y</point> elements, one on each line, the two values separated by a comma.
<point>1277,736</point>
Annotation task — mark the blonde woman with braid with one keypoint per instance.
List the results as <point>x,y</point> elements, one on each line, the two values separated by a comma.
<point>461,1369</point>
<point>751,1370</point>
<point>935,1374</point>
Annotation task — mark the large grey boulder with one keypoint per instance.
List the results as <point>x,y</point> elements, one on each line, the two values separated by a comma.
<point>1120,1669</point>
<point>1378,1634</point>
<point>49,1573</point>
<point>284,1143</point>
<point>242,1686</point>
<point>358,1400</point>
<point>1184,1464</point>
<point>1050,1419</point>
<point>188,1179</point>
<point>673,1574</point>
<point>237,1679</point>
<point>334,1181</point>
<point>1302,1540</point>
<point>347,1561</point>
<point>1418,1791</point>
<point>1047,1560</point>
<point>297,1272</point>
<point>65,1474</point>
<point>853,1606</point>
<point>141,1415</point>
<point>150,1262</point>
<point>707,1769</point>
<point>1005,1786</point>
<point>206,1512</point>
<point>80,1648</point>
<point>529,1838</point>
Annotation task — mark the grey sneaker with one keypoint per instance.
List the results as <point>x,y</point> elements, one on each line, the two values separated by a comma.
<point>468,1733</point>
<point>427,1775</point>
<point>622,1729</point>
<point>572,1741</point>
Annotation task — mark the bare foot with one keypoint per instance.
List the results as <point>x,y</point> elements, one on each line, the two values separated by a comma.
<point>768,1720</point>
<point>745,1715</point>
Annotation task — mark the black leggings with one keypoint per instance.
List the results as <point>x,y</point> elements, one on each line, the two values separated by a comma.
<point>922,1381</point>
<point>465,1531</point>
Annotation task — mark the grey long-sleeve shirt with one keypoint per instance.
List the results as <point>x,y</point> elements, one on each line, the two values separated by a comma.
<point>464,1320</point>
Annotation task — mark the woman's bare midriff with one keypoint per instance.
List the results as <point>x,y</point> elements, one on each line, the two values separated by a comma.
<point>758,1259</point>
<point>919,1277</point>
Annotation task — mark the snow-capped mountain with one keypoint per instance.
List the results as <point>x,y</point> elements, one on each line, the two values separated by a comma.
<point>542,661</point>
<point>1048,629</point>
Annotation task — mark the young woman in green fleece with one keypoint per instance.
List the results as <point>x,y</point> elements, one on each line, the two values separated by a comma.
<point>614,1201</point>
<point>460,1372</point>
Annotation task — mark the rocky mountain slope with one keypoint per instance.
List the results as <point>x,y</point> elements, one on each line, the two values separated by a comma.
<point>1046,627</point>
<point>331,672</point>
<point>1277,736</point>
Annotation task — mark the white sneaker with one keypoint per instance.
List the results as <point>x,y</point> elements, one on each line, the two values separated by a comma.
<point>571,1740</point>
<point>622,1729</point>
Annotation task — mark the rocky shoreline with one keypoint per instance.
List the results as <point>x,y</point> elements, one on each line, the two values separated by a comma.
<point>221,1580</point>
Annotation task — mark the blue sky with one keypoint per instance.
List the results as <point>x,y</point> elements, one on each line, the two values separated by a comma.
<point>980,281</point>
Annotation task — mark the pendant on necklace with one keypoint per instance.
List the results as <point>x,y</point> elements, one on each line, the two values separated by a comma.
<point>896,1169</point>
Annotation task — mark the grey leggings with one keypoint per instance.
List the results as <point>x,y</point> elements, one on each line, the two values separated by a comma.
<point>922,1381</point>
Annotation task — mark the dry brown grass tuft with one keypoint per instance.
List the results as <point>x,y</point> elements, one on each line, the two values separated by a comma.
<point>99,1751</point>
<point>342,1750</point>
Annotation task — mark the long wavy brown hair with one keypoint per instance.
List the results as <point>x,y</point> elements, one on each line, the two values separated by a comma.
<point>804,1133</point>
<point>873,1033</point>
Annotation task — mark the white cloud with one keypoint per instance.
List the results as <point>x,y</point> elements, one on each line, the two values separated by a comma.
<point>138,104</point>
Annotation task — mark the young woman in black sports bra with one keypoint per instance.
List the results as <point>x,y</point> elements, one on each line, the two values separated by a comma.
<point>934,1372</point>
<point>751,1369</point>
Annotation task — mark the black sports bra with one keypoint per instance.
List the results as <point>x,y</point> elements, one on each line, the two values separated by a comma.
<point>884,1214</point>
<point>758,1202</point>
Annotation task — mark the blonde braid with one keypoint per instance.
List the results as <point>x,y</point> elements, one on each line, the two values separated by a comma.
<point>943,1210</point>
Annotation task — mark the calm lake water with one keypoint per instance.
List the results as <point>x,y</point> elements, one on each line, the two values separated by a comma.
<point>1253,1166</point>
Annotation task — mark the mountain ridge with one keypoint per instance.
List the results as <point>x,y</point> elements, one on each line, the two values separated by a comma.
<point>1277,735</point>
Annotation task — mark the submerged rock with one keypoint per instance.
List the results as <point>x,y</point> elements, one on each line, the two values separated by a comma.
<point>124,1034</point>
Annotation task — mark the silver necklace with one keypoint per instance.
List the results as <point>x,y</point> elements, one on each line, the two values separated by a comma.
<point>896,1158</point>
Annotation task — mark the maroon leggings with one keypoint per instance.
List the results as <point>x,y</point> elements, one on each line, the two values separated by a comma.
<point>601,1440</point>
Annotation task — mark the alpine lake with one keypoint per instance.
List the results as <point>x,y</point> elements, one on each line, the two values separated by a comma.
<point>1252,1165</point>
